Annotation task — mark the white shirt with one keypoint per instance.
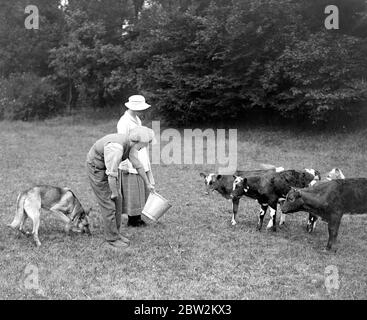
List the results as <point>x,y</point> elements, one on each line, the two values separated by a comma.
<point>125,125</point>
<point>113,153</point>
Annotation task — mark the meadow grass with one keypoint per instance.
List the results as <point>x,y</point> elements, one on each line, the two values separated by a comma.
<point>193,252</point>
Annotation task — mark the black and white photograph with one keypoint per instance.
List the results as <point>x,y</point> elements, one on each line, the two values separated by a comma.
<point>203,152</point>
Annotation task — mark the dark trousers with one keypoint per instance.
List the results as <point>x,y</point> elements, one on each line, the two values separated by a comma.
<point>110,214</point>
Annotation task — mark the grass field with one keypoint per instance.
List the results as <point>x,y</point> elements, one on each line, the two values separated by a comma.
<point>194,252</point>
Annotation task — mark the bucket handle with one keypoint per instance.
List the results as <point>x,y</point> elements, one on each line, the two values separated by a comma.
<point>158,195</point>
<point>153,191</point>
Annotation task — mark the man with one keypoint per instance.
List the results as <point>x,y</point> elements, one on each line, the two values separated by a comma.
<point>103,160</point>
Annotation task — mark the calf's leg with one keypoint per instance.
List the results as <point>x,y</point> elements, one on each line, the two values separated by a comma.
<point>311,223</point>
<point>272,222</point>
<point>333,228</point>
<point>235,203</point>
<point>282,219</point>
<point>263,209</point>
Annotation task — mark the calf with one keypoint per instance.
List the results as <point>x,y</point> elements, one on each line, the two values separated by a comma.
<point>329,201</point>
<point>268,189</point>
<point>335,173</point>
<point>223,184</point>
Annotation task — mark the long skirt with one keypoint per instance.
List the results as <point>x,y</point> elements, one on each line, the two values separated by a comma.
<point>134,193</point>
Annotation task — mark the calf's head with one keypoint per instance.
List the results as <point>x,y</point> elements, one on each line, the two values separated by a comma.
<point>316,174</point>
<point>211,181</point>
<point>335,173</point>
<point>293,202</point>
<point>240,187</point>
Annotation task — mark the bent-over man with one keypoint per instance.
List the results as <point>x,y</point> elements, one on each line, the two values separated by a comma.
<point>103,160</point>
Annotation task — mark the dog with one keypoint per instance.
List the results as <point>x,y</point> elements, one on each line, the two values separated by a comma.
<point>62,202</point>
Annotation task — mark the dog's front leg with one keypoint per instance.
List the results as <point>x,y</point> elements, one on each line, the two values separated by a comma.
<point>235,203</point>
<point>67,228</point>
<point>61,216</point>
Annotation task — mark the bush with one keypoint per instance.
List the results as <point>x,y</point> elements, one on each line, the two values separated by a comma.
<point>246,56</point>
<point>26,96</point>
<point>319,78</point>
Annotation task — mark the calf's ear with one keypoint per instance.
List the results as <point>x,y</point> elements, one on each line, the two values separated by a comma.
<point>202,175</point>
<point>318,174</point>
<point>219,176</point>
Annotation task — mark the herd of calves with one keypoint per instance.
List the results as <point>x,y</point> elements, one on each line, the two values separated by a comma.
<point>295,191</point>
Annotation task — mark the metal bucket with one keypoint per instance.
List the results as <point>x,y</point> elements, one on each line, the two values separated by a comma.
<point>155,206</point>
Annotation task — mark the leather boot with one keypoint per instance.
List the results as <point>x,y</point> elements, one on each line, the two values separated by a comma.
<point>135,221</point>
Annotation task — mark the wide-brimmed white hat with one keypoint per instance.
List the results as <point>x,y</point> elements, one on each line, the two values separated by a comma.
<point>137,103</point>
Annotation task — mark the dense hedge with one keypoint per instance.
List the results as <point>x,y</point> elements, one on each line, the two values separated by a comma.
<point>193,60</point>
<point>27,96</point>
<point>238,56</point>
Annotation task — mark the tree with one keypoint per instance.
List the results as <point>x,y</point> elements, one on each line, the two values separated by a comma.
<point>230,57</point>
<point>23,50</point>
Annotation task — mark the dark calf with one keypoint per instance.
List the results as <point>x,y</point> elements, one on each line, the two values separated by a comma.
<point>223,184</point>
<point>268,189</point>
<point>334,174</point>
<point>329,201</point>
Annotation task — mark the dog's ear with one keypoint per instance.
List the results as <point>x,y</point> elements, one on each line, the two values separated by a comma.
<point>88,210</point>
<point>202,175</point>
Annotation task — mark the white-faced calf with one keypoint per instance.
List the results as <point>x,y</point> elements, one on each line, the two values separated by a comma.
<point>268,189</point>
<point>329,201</point>
<point>223,184</point>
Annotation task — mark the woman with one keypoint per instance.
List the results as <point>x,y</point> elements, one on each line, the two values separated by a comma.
<point>134,192</point>
<point>103,160</point>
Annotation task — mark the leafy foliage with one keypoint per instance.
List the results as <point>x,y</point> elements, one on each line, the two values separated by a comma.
<point>237,56</point>
<point>23,50</point>
<point>196,60</point>
<point>27,96</point>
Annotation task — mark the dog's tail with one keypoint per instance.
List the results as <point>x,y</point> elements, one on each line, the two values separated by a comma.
<point>19,211</point>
